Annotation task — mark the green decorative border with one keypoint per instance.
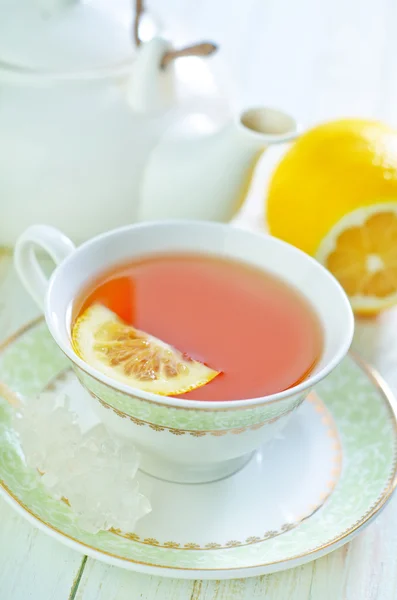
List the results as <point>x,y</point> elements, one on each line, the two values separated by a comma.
<point>187,419</point>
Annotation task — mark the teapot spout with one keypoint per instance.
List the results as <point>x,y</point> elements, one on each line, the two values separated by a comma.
<point>195,175</point>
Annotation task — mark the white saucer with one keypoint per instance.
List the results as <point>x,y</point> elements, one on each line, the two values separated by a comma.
<point>299,497</point>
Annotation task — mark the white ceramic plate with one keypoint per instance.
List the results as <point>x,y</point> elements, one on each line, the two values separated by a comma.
<point>301,496</point>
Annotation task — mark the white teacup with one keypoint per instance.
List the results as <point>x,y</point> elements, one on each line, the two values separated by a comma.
<point>183,440</point>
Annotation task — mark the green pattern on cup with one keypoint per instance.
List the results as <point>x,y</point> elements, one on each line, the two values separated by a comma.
<point>187,419</point>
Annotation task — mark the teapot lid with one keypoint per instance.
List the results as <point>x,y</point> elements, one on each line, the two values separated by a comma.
<point>64,35</point>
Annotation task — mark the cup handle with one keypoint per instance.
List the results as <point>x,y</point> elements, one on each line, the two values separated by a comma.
<point>54,243</point>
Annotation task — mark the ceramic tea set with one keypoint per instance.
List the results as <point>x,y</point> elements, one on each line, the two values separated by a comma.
<point>94,138</point>
<point>95,132</point>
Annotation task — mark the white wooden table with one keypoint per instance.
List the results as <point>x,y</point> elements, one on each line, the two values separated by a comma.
<point>319,60</point>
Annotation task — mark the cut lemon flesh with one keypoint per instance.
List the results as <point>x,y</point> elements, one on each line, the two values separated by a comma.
<point>361,251</point>
<point>134,357</point>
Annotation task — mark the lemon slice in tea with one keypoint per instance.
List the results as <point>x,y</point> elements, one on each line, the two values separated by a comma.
<point>134,357</point>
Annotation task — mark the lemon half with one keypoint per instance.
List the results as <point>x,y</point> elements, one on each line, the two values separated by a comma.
<point>334,196</point>
<point>361,251</point>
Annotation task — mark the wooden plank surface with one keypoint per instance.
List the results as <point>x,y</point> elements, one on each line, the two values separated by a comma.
<point>33,565</point>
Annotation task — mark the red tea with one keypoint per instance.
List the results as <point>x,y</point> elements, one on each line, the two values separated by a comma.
<point>260,332</point>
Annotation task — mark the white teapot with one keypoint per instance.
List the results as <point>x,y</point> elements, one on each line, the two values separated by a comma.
<point>92,136</point>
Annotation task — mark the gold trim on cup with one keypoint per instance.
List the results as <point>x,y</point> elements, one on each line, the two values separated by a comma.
<point>192,432</point>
